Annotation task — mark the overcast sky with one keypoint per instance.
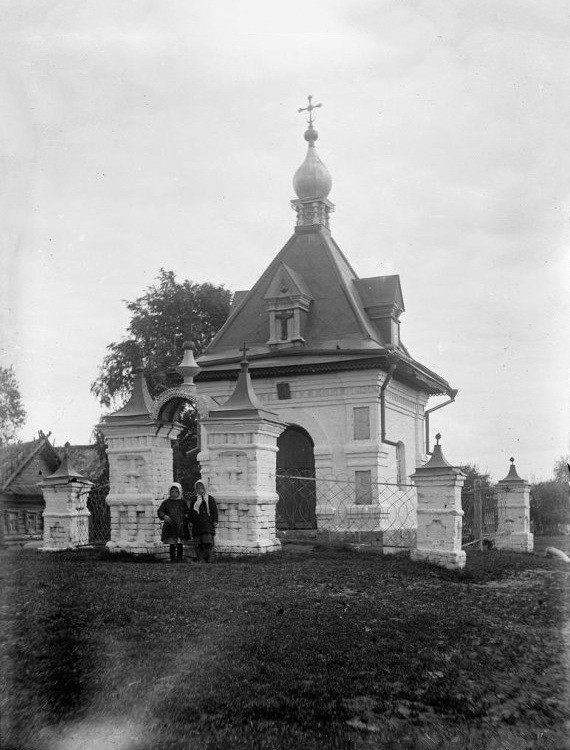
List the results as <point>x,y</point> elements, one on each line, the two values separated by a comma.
<point>139,134</point>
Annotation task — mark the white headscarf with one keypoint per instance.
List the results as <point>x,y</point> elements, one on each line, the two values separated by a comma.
<point>178,487</point>
<point>199,499</point>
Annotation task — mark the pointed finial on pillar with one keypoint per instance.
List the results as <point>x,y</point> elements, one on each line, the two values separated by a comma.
<point>188,368</point>
<point>243,402</point>
<point>437,460</point>
<point>512,476</point>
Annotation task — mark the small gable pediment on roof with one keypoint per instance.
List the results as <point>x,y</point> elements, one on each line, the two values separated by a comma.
<point>288,301</point>
<point>286,284</point>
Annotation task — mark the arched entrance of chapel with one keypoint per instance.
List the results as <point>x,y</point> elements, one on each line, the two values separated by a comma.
<point>295,480</point>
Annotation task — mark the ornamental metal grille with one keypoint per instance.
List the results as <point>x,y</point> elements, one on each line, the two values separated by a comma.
<point>359,510</point>
<point>483,516</point>
<point>96,529</point>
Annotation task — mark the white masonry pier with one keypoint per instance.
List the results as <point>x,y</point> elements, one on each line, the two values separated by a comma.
<point>238,461</point>
<point>440,516</point>
<point>66,517</point>
<point>140,470</point>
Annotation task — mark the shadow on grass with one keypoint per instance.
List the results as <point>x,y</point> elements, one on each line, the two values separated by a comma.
<point>51,648</point>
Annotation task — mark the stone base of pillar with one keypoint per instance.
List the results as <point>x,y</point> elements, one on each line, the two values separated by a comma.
<point>247,548</point>
<point>246,524</point>
<point>522,541</point>
<point>447,559</point>
<point>65,531</point>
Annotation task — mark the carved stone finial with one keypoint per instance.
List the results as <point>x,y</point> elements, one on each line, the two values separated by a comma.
<point>438,437</point>
<point>512,460</point>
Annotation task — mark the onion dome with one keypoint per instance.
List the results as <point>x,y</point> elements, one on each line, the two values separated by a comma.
<point>312,179</point>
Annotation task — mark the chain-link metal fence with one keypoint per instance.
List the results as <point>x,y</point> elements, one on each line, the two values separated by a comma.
<point>337,509</point>
<point>482,513</point>
<point>95,529</point>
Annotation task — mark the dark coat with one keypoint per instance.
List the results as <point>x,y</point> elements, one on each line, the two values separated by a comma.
<point>177,510</point>
<point>202,521</point>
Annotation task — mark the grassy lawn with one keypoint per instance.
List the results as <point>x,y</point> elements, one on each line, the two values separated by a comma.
<point>324,649</point>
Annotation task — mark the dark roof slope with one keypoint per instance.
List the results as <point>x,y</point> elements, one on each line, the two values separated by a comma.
<point>336,316</point>
<point>14,458</point>
<point>85,459</point>
<point>340,331</point>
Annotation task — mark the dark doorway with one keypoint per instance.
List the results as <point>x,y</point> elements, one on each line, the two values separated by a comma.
<point>295,480</point>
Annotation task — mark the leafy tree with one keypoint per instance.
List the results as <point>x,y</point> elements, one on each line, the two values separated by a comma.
<point>12,413</point>
<point>561,474</point>
<point>166,315</point>
<point>549,506</point>
<point>163,318</point>
<point>474,478</point>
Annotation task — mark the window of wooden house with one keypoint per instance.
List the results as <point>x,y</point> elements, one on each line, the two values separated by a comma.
<point>31,522</point>
<point>12,522</point>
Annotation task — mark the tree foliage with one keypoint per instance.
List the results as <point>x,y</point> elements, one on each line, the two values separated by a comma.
<point>550,501</point>
<point>561,473</point>
<point>549,507</point>
<point>167,314</point>
<point>12,412</point>
<point>162,319</point>
<point>474,477</point>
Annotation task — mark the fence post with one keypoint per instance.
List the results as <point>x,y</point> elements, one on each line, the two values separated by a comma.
<point>65,514</point>
<point>478,514</point>
<point>439,512</point>
<point>514,513</point>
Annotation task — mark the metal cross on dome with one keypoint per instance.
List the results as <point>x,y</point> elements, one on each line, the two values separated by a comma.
<point>310,108</point>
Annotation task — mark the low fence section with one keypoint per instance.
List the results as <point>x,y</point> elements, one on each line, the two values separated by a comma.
<point>482,515</point>
<point>340,510</point>
<point>95,529</point>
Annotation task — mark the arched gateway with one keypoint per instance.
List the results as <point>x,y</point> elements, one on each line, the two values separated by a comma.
<point>296,480</point>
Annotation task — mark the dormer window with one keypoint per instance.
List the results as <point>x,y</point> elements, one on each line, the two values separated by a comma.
<point>288,301</point>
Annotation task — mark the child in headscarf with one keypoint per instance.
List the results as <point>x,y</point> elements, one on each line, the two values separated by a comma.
<point>174,513</point>
<point>204,517</point>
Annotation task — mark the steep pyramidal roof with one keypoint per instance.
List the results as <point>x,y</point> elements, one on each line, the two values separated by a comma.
<point>338,321</point>
<point>336,316</point>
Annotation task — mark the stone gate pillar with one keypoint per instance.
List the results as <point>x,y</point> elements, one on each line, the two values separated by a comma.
<point>238,460</point>
<point>440,517</point>
<point>66,518</point>
<point>140,469</point>
<point>513,506</point>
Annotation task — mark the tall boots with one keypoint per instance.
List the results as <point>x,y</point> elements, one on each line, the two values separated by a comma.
<point>176,552</point>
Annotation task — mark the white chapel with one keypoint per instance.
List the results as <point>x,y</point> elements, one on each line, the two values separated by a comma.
<point>326,355</point>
